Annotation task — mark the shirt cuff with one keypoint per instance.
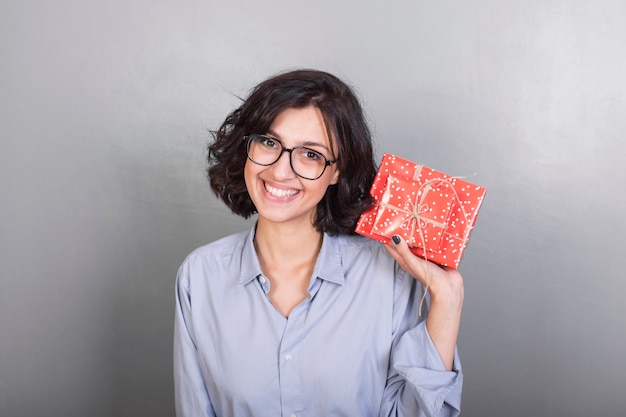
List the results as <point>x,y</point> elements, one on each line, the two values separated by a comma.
<point>416,358</point>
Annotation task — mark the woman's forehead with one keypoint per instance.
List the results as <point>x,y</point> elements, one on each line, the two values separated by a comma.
<point>305,126</point>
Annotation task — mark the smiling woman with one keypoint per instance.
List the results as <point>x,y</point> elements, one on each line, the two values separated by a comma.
<point>342,118</point>
<point>299,316</point>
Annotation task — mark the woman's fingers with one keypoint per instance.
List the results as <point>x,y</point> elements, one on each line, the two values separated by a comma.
<point>440,280</point>
<point>418,267</point>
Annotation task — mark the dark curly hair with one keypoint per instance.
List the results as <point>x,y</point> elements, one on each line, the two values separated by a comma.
<point>343,203</point>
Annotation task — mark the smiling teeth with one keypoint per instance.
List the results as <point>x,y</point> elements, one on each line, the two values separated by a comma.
<point>280,193</point>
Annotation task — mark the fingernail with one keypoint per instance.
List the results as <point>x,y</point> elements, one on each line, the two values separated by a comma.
<point>396,239</point>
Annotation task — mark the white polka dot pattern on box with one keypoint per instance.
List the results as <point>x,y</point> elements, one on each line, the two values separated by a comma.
<point>434,212</point>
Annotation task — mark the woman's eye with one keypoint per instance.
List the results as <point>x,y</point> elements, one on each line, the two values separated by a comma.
<point>312,155</point>
<point>268,142</point>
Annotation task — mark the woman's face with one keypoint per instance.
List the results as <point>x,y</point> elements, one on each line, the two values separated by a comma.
<point>279,195</point>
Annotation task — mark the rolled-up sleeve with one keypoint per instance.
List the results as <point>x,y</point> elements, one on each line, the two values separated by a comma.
<point>417,380</point>
<point>436,390</point>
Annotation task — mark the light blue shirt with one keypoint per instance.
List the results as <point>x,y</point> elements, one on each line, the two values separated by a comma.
<point>355,347</point>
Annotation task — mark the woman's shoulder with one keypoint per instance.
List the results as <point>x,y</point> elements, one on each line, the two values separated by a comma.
<point>218,263</point>
<point>360,246</point>
<point>226,245</point>
<point>362,242</point>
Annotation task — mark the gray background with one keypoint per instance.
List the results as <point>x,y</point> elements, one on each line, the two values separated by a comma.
<point>105,108</point>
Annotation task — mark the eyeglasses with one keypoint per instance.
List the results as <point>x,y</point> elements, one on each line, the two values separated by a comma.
<point>305,162</point>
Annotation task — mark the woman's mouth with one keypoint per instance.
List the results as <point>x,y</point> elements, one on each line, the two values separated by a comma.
<point>279,192</point>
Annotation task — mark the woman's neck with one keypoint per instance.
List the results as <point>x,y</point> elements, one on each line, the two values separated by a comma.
<point>286,244</point>
<point>287,255</point>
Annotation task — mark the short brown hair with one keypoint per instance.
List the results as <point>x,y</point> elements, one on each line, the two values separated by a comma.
<point>339,209</point>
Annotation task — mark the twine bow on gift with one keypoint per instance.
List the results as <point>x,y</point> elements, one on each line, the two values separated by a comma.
<point>416,221</point>
<point>416,210</point>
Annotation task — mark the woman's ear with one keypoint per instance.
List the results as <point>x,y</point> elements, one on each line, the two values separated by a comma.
<point>335,179</point>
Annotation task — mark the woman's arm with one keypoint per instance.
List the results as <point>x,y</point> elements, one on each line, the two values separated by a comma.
<point>419,382</point>
<point>446,298</point>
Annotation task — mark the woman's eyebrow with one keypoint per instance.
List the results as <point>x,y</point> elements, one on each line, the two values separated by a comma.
<point>305,143</point>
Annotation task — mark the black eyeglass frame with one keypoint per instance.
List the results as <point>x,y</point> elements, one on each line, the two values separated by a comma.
<point>283,149</point>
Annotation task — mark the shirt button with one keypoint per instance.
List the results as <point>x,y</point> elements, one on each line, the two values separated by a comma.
<point>262,280</point>
<point>292,415</point>
<point>289,357</point>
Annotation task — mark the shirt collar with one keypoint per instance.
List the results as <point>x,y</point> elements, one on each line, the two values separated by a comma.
<point>327,267</point>
<point>250,265</point>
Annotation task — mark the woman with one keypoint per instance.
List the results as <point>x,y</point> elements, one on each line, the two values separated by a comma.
<point>300,316</point>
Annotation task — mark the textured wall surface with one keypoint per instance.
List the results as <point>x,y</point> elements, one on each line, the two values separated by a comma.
<point>105,110</point>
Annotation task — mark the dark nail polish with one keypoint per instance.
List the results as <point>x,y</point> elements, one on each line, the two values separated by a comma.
<point>396,239</point>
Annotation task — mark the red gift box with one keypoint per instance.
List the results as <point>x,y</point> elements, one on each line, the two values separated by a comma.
<point>434,212</point>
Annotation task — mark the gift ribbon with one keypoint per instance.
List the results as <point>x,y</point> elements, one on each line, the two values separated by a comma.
<point>416,209</point>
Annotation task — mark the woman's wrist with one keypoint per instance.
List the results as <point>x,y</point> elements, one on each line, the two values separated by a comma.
<point>446,289</point>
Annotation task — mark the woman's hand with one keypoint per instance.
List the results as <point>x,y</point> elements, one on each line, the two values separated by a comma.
<point>446,297</point>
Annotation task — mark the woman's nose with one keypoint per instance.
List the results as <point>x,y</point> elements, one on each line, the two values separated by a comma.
<point>282,168</point>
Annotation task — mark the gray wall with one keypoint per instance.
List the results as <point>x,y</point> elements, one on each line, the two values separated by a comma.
<point>105,108</point>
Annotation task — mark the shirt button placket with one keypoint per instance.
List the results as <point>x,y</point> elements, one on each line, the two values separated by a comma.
<point>289,379</point>
<point>289,383</point>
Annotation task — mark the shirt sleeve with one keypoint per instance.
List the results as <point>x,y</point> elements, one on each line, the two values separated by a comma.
<point>191,396</point>
<point>418,383</point>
